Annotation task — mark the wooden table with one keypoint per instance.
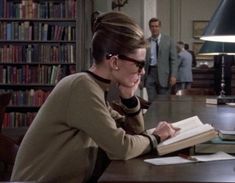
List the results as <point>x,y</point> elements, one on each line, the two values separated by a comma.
<point>176,108</point>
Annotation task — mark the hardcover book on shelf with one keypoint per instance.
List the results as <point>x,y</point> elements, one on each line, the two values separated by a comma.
<point>215,145</point>
<point>192,131</point>
<point>220,100</point>
<point>33,54</point>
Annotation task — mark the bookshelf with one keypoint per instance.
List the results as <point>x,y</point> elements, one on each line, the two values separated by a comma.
<point>39,45</point>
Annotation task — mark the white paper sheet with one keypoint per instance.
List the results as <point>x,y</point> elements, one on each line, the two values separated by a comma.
<point>179,160</point>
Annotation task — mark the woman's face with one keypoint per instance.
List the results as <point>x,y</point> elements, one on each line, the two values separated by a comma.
<point>130,68</point>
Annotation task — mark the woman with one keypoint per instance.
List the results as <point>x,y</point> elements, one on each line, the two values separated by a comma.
<point>62,143</point>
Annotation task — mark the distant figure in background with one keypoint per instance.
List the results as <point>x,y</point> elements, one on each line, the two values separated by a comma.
<point>184,77</point>
<point>194,62</point>
<point>229,61</point>
<point>161,62</point>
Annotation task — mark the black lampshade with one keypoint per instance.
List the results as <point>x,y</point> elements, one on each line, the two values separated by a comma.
<point>217,48</point>
<point>222,24</point>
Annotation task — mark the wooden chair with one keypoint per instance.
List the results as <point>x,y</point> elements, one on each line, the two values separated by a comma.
<point>4,101</point>
<point>8,151</point>
<point>196,91</point>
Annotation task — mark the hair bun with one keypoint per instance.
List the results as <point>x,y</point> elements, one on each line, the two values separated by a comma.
<point>97,24</point>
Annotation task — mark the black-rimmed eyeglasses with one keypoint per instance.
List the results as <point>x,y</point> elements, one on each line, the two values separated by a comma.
<point>139,64</point>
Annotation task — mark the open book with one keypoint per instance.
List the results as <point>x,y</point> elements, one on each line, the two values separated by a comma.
<point>192,131</point>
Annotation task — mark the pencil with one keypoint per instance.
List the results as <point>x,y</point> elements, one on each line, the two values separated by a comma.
<point>187,157</point>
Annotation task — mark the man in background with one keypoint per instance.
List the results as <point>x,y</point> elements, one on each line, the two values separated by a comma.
<point>184,76</point>
<point>161,62</point>
<point>194,62</point>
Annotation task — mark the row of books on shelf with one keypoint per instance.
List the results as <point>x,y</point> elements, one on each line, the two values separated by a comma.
<point>41,31</point>
<point>37,9</point>
<point>25,74</point>
<point>38,53</point>
<point>30,97</point>
<point>16,119</point>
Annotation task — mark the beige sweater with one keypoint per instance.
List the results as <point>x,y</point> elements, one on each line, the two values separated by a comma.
<point>61,143</point>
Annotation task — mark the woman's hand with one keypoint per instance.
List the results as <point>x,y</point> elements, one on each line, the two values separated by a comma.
<point>165,130</point>
<point>128,91</point>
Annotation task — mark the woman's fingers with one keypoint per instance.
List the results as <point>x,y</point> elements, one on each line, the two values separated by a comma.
<point>165,130</point>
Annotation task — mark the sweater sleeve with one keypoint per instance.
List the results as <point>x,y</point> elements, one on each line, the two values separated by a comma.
<point>88,112</point>
<point>134,123</point>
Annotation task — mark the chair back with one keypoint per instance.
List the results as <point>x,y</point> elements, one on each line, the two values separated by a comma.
<point>4,101</point>
<point>8,151</point>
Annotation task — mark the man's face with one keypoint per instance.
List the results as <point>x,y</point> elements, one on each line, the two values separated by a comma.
<point>155,28</point>
<point>178,48</point>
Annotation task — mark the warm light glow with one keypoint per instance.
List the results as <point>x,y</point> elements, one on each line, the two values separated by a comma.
<point>215,53</point>
<point>221,27</point>
<point>217,48</point>
<point>225,38</point>
<point>209,54</point>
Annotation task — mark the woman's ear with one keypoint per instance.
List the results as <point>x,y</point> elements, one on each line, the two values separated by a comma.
<point>114,63</point>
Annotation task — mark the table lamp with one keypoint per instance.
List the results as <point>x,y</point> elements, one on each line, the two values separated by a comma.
<point>218,48</point>
<point>221,27</point>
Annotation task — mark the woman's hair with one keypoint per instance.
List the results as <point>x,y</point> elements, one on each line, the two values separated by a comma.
<point>116,33</point>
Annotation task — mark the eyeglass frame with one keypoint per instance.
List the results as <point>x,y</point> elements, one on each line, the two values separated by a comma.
<point>138,63</point>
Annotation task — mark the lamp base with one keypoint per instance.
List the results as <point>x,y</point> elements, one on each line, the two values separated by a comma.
<point>220,100</point>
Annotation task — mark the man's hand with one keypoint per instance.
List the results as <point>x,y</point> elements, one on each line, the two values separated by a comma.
<point>172,80</point>
<point>165,130</point>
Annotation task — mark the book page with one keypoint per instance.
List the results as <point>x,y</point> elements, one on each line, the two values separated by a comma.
<point>187,134</point>
<point>214,157</point>
<point>167,160</point>
<point>188,123</point>
<point>197,139</point>
<point>184,125</point>
<point>179,160</point>
<point>188,128</point>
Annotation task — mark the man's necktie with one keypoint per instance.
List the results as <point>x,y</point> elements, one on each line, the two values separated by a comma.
<point>157,47</point>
